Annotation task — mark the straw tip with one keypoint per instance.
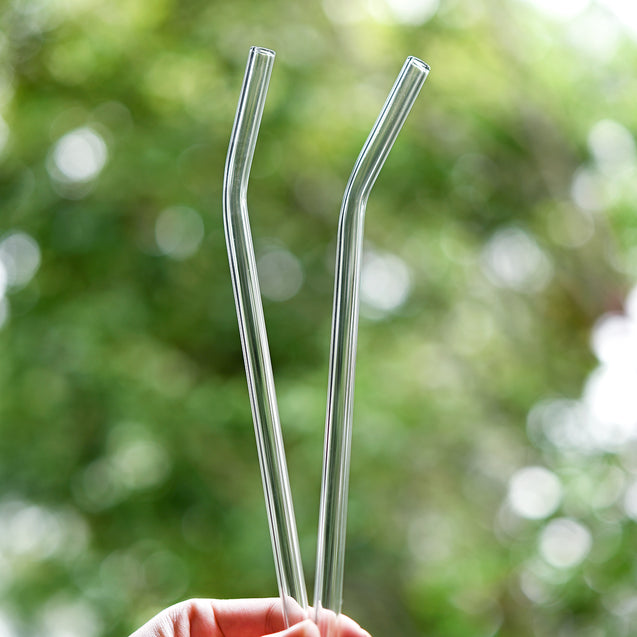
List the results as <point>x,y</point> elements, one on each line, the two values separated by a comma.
<point>418,63</point>
<point>261,50</point>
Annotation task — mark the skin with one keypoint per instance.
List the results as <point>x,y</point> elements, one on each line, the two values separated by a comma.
<point>237,618</point>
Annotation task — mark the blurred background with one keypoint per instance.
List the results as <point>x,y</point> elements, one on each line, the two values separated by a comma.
<point>494,467</point>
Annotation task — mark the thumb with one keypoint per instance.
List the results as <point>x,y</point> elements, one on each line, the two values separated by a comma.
<point>305,628</point>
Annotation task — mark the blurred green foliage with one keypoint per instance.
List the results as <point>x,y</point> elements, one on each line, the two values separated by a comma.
<point>502,228</point>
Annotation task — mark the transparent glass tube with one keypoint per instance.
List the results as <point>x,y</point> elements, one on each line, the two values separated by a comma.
<point>338,426</point>
<point>256,353</point>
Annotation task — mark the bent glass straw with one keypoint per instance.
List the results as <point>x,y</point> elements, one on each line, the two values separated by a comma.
<point>256,353</point>
<point>338,427</point>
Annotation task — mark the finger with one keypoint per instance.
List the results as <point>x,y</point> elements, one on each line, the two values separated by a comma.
<point>305,628</point>
<point>221,618</point>
<point>192,618</point>
<point>332,625</point>
<point>242,618</point>
<point>254,617</point>
<point>347,627</point>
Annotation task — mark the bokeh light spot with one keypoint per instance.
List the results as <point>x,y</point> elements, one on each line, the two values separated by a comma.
<point>405,11</point>
<point>625,11</point>
<point>67,617</point>
<point>79,156</point>
<point>141,464</point>
<point>614,339</point>
<point>121,572</point>
<point>513,259</point>
<point>179,231</point>
<point>385,283</point>
<point>588,190</point>
<point>34,532</point>
<point>534,492</point>
<point>564,543</point>
<point>563,423</point>
<point>7,626</point>
<point>20,259</point>
<point>134,462</point>
<point>96,488</point>
<point>630,501</point>
<point>612,146</point>
<point>610,396</point>
<point>345,12</point>
<point>562,9</point>
<point>595,34</point>
<point>280,274</point>
<point>28,530</point>
<point>535,587</point>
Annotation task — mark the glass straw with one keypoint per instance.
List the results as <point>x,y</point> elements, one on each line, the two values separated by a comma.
<point>256,353</point>
<point>338,426</point>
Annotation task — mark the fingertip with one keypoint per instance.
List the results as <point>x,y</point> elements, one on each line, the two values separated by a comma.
<point>347,627</point>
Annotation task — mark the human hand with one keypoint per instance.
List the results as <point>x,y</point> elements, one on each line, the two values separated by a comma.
<point>236,618</point>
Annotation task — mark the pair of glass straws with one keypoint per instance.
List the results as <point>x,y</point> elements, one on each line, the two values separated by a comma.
<point>338,428</point>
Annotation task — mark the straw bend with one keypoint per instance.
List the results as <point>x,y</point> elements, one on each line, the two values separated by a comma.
<point>338,426</point>
<point>254,341</point>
